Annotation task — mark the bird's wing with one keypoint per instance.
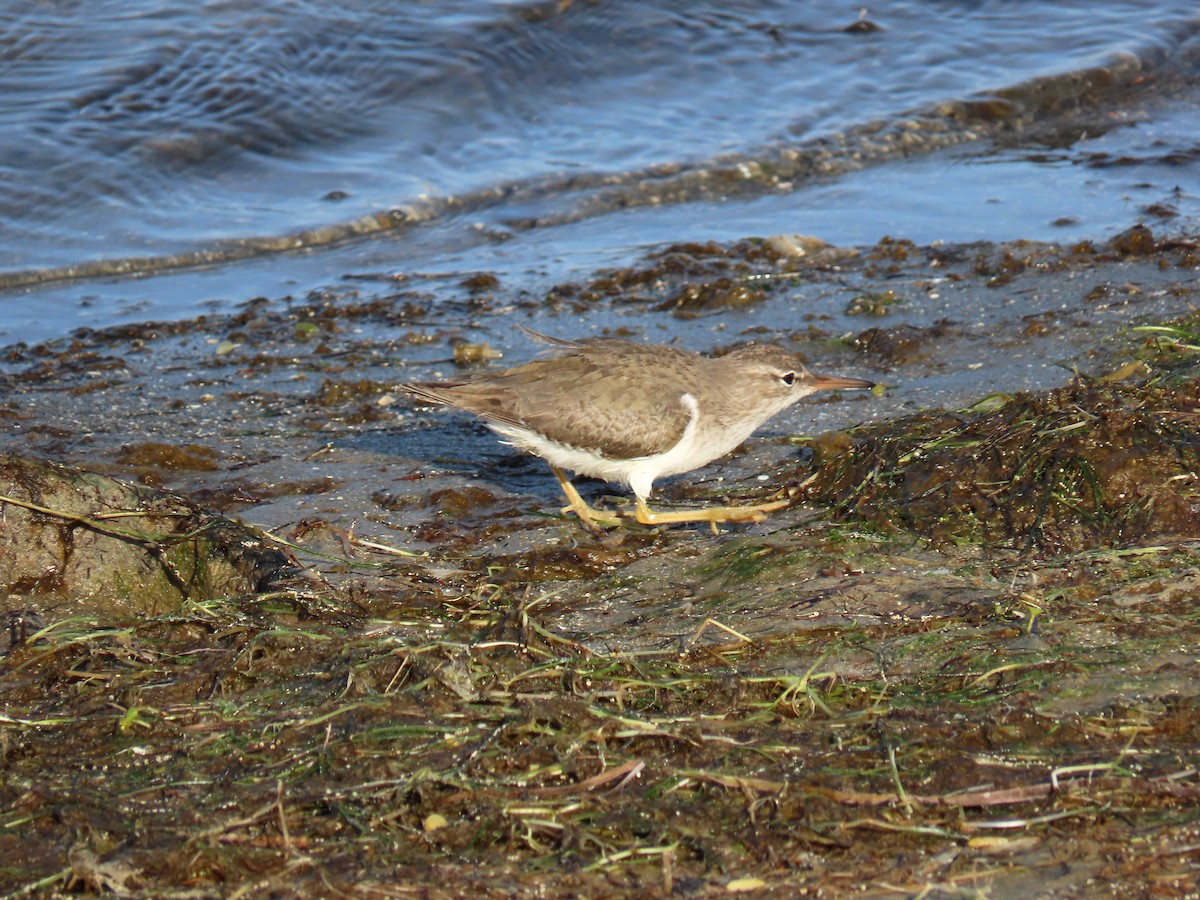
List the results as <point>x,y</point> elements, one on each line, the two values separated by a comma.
<point>543,338</point>
<point>433,392</point>
<point>586,399</point>
<point>474,396</point>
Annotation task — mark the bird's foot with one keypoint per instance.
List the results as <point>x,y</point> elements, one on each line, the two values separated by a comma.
<point>714,515</point>
<point>594,520</point>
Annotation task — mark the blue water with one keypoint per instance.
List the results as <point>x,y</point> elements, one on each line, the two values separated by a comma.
<point>145,129</point>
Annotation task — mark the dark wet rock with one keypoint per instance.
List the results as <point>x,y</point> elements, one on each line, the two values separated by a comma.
<point>830,445</point>
<point>1135,241</point>
<point>458,502</point>
<point>224,495</point>
<point>392,501</point>
<point>1001,269</point>
<point>863,25</point>
<point>481,282</point>
<point>892,249</point>
<point>901,343</point>
<point>172,457</point>
<point>689,274</point>
<point>985,109</point>
<point>873,303</point>
<point>720,294</point>
<point>76,542</point>
<point>334,393</point>
<point>1161,210</point>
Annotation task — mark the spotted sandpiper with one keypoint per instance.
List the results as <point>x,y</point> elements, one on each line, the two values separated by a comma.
<point>633,413</point>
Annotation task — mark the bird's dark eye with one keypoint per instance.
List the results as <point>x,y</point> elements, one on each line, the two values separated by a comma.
<point>788,378</point>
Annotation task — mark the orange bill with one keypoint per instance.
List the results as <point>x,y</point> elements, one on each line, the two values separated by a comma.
<point>836,382</point>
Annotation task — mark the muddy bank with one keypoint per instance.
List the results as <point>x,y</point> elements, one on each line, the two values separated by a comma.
<point>935,672</point>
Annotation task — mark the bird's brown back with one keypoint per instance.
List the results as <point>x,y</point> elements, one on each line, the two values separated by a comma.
<point>619,398</point>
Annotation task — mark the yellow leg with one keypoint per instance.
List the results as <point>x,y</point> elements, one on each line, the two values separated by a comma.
<point>595,520</point>
<point>713,515</point>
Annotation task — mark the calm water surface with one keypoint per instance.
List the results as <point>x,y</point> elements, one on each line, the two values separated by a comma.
<point>146,137</point>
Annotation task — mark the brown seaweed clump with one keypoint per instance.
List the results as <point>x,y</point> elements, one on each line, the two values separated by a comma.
<point>1087,465</point>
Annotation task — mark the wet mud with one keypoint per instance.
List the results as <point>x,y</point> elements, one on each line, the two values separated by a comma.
<point>961,663</point>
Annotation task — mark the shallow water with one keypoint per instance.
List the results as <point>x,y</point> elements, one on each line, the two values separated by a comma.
<point>141,138</point>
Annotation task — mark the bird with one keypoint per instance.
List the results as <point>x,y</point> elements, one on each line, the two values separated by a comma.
<point>632,413</point>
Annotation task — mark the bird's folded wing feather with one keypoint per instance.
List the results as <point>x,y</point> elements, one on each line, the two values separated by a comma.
<point>573,401</point>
